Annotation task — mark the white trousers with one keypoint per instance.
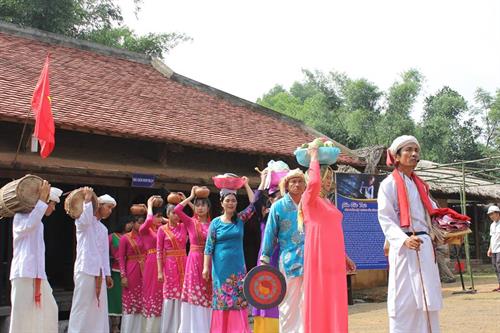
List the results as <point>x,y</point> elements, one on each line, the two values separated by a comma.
<point>414,321</point>
<point>87,315</point>
<point>25,316</point>
<point>132,323</point>
<point>291,312</point>
<point>170,316</point>
<point>153,325</point>
<point>195,318</point>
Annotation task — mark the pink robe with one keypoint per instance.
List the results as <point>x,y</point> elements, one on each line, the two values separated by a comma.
<point>171,247</point>
<point>151,287</point>
<point>325,282</point>
<point>196,290</point>
<point>131,256</point>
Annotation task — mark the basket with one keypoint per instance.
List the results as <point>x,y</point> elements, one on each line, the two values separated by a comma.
<point>230,183</point>
<point>326,156</point>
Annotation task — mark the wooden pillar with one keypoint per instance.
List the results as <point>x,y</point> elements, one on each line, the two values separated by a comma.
<point>477,236</point>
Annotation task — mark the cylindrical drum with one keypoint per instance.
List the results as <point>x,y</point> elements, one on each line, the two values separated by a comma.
<point>20,195</point>
<point>73,205</point>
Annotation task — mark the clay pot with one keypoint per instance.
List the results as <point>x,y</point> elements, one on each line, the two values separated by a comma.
<point>174,198</point>
<point>202,192</point>
<point>157,202</point>
<point>138,209</point>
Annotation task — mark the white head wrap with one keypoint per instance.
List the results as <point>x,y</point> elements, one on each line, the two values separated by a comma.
<point>295,173</point>
<point>55,194</point>
<point>397,144</point>
<point>106,199</point>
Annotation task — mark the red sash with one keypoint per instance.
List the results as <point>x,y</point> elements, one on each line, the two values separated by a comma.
<point>423,191</point>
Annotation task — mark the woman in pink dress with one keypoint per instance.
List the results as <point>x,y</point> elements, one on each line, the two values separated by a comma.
<point>131,256</point>
<point>325,260</point>
<point>151,287</point>
<point>196,307</point>
<point>171,259</point>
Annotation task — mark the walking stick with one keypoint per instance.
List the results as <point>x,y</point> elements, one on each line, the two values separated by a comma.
<point>423,291</point>
<point>427,316</point>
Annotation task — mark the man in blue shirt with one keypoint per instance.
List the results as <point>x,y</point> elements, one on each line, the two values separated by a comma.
<point>282,228</point>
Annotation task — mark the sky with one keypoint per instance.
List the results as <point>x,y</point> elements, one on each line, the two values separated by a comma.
<point>247,47</point>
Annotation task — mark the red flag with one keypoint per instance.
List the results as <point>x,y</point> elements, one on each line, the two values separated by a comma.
<point>40,104</point>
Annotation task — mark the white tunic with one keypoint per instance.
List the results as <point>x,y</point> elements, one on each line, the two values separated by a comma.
<point>88,314</point>
<point>405,298</point>
<point>28,260</point>
<point>92,247</point>
<point>495,237</point>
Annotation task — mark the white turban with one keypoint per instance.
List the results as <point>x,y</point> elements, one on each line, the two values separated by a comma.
<point>55,194</point>
<point>295,173</point>
<point>106,199</point>
<point>397,144</point>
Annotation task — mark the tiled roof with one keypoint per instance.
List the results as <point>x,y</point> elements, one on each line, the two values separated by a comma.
<point>97,92</point>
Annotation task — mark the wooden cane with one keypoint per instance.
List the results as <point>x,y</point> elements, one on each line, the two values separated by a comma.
<point>423,291</point>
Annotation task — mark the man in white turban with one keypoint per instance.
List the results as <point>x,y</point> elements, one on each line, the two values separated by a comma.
<point>89,309</point>
<point>34,308</point>
<point>414,291</point>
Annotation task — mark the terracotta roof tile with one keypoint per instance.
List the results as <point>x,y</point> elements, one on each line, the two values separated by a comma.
<point>107,94</point>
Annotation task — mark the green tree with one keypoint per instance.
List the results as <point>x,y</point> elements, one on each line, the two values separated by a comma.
<point>94,20</point>
<point>488,110</point>
<point>446,133</point>
<point>401,97</point>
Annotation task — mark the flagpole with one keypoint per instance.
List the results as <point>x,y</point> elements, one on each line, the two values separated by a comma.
<point>38,108</point>
<point>21,139</point>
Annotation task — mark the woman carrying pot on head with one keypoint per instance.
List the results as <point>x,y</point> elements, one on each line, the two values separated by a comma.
<point>224,252</point>
<point>115,293</point>
<point>196,307</point>
<point>151,287</point>
<point>325,260</point>
<point>131,256</point>
<point>171,258</point>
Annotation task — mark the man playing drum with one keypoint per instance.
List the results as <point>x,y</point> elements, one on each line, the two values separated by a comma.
<point>34,308</point>
<point>89,308</point>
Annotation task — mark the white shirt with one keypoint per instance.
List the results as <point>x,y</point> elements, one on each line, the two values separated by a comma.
<point>28,260</point>
<point>388,210</point>
<point>92,247</point>
<point>495,237</point>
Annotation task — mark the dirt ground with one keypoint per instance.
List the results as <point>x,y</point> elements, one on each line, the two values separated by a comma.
<point>472,313</point>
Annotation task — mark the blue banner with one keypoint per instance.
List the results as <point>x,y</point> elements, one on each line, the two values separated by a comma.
<point>357,200</point>
<point>141,180</point>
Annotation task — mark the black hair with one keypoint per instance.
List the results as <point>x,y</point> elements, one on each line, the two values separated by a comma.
<point>136,218</point>
<point>262,202</point>
<point>202,202</point>
<point>158,210</point>
<point>169,208</point>
<point>235,215</point>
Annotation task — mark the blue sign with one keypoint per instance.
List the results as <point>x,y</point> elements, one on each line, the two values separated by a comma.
<point>140,180</point>
<point>363,237</point>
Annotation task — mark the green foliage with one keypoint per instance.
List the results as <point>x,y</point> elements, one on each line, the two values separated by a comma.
<point>355,112</point>
<point>445,133</point>
<point>99,21</point>
<point>488,110</point>
<point>150,44</point>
